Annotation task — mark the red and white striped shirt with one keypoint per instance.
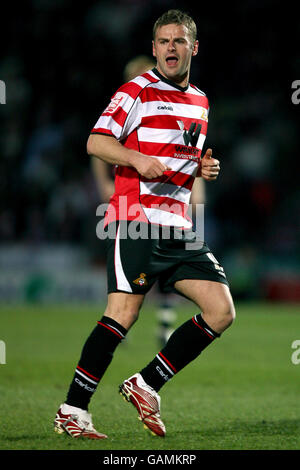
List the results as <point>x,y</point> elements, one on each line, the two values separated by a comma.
<point>156,117</point>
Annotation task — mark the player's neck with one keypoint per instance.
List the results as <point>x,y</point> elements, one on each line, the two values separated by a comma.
<point>180,83</point>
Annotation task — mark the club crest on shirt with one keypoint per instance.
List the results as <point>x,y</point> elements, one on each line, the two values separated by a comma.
<point>141,280</point>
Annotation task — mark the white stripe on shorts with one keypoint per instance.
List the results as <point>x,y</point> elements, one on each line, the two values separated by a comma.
<point>122,283</point>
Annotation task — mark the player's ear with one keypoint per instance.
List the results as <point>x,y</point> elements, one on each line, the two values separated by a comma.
<point>153,49</point>
<point>195,48</point>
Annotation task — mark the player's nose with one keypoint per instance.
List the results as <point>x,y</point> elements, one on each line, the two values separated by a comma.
<point>171,45</point>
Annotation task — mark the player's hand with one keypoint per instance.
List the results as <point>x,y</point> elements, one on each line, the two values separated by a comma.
<point>150,167</point>
<point>210,167</point>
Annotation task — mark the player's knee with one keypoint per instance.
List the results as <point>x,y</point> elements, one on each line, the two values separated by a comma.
<point>130,311</point>
<point>124,308</point>
<point>222,316</point>
<point>132,315</point>
<point>227,313</point>
<point>125,317</point>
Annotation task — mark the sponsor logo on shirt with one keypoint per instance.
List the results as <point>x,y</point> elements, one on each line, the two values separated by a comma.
<point>187,152</point>
<point>165,108</point>
<point>115,103</point>
<point>191,135</point>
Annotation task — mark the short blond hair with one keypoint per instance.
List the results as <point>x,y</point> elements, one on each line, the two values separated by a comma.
<point>176,17</point>
<point>138,65</point>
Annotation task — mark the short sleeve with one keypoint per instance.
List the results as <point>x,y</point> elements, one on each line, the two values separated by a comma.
<point>122,115</point>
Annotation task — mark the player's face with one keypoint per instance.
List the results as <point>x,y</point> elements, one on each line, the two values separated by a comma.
<point>174,50</point>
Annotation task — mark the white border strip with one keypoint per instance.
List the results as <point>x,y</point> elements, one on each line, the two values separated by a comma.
<point>122,283</point>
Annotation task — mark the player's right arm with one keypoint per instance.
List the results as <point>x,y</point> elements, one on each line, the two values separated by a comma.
<point>103,178</point>
<point>109,149</point>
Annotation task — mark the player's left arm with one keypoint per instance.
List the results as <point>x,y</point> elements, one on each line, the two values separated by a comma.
<point>198,194</point>
<point>198,191</point>
<point>210,167</point>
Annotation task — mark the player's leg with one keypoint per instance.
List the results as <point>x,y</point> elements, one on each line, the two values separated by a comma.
<point>184,345</point>
<point>191,338</point>
<point>125,297</point>
<point>124,308</point>
<point>121,312</point>
<point>214,300</point>
<point>210,292</point>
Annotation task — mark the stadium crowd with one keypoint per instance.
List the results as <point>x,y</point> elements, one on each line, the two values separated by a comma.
<point>61,61</point>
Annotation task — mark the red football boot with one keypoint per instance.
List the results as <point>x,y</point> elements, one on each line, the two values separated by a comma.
<point>146,401</point>
<point>75,422</point>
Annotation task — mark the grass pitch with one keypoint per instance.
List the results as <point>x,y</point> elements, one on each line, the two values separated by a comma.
<point>241,393</point>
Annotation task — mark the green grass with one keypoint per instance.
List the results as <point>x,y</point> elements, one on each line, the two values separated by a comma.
<point>241,393</point>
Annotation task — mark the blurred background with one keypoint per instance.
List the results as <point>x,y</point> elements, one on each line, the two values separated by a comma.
<point>62,60</point>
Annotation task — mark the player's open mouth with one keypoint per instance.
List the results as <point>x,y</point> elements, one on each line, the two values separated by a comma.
<point>172,60</point>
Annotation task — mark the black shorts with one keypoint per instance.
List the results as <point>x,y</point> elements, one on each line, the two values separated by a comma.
<point>139,254</point>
